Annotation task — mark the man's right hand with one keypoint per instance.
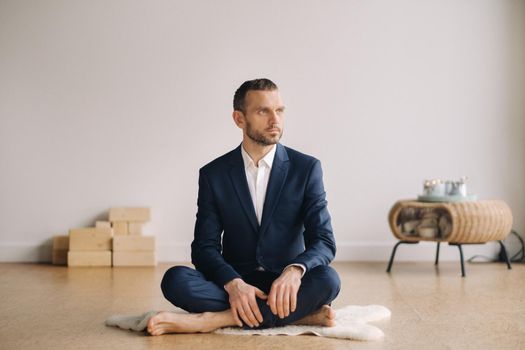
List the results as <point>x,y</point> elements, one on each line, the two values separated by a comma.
<point>243,303</point>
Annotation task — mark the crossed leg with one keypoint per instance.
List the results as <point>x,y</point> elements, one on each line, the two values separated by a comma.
<point>209,307</point>
<point>170,322</point>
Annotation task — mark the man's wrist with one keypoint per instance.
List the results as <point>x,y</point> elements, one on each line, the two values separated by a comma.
<point>296,268</point>
<point>231,283</point>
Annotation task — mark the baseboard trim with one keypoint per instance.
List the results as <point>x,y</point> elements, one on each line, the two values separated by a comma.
<point>18,252</point>
<point>346,251</point>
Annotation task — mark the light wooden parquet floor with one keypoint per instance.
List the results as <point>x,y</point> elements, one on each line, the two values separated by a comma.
<point>49,307</point>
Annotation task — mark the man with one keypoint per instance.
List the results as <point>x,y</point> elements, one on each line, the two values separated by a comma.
<point>268,203</point>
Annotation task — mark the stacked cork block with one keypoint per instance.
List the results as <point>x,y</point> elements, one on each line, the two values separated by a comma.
<point>60,249</point>
<point>130,247</point>
<point>90,246</point>
<point>118,241</point>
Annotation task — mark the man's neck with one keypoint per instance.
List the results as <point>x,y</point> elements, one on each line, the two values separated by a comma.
<point>255,150</point>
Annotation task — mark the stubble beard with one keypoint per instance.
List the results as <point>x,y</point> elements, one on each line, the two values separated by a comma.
<point>260,138</point>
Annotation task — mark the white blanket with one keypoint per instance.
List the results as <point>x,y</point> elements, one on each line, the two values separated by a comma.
<point>351,322</point>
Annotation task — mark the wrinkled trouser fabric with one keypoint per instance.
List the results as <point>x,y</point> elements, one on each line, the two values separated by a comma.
<point>188,289</point>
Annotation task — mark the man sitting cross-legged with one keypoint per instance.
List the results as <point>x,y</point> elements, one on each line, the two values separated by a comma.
<point>263,236</point>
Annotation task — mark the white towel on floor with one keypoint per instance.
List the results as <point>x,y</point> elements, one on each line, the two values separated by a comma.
<point>350,323</point>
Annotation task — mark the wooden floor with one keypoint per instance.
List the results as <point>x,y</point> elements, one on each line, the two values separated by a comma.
<point>48,307</point>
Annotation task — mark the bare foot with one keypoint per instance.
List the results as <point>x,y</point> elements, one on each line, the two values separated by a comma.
<point>169,322</point>
<point>324,317</point>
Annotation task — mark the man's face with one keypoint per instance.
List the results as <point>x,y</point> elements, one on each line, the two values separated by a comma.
<point>263,116</point>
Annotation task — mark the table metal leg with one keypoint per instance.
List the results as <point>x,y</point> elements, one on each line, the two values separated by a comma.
<point>461,258</point>
<point>505,254</point>
<point>437,254</point>
<point>394,253</point>
<point>459,245</point>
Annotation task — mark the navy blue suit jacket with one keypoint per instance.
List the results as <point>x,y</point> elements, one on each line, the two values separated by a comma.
<point>295,227</point>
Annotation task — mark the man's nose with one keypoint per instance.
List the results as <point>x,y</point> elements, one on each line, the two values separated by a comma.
<point>274,117</point>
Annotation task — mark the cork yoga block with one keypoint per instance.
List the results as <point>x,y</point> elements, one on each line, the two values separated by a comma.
<point>59,257</point>
<point>135,228</point>
<point>133,243</point>
<point>61,242</point>
<point>102,224</point>
<point>129,214</point>
<point>120,228</point>
<point>89,258</point>
<point>122,258</point>
<point>90,239</point>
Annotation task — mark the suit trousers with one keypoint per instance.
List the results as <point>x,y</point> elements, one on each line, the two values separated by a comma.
<point>188,289</point>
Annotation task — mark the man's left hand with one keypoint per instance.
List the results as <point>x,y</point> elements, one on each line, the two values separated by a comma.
<point>282,298</point>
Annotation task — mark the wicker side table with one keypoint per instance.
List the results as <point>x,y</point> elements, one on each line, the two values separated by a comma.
<point>474,222</point>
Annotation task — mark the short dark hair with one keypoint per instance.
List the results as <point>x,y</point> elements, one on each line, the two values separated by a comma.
<point>255,84</point>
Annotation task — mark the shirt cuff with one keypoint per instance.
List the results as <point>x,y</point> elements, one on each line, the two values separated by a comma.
<point>298,265</point>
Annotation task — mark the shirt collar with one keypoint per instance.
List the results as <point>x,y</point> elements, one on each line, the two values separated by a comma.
<point>267,159</point>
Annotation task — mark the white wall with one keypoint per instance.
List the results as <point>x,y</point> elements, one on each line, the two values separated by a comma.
<point>116,103</point>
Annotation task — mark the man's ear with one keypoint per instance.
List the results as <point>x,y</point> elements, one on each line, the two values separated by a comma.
<point>238,118</point>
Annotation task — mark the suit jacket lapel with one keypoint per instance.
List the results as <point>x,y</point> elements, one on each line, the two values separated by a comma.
<point>238,178</point>
<point>275,185</point>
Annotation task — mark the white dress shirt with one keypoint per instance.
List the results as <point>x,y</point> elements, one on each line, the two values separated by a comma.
<point>258,176</point>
